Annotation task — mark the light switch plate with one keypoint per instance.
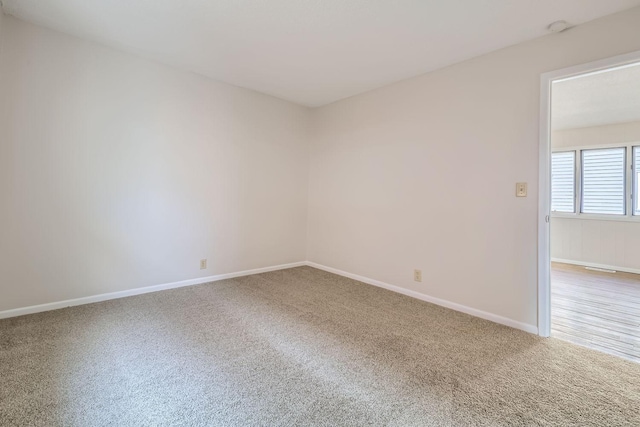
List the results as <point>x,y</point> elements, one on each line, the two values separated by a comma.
<point>521,189</point>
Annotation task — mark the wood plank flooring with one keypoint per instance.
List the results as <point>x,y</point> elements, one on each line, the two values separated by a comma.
<point>596,309</point>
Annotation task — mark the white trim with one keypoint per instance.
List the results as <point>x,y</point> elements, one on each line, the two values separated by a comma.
<point>596,217</point>
<point>138,291</point>
<point>544,209</point>
<point>544,190</point>
<point>197,281</point>
<point>441,302</point>
<point>594,265</point>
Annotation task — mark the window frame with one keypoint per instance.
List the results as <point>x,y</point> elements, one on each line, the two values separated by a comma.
<point>635,181</point>
<point>630,184</point>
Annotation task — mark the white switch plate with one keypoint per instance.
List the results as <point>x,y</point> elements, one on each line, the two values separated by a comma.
<point>521,189</point>
<point>203,264</point>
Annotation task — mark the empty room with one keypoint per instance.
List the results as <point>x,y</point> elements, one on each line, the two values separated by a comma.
<point>319,212</point>
<point>595,210</point>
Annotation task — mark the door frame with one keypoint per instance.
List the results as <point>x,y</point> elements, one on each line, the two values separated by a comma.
<point>544,180</point>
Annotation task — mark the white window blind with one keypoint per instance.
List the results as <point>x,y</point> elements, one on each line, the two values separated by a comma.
<point>636,177</point>
<point>563,175</point>
<point>603,181</point>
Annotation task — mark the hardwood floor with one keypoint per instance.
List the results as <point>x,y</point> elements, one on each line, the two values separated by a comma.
<point>596,309</point>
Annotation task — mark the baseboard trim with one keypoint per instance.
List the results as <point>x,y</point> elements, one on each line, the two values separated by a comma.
<point>138,291</point>
<point>591,264</point>
<point>441,302</point>
<point>200,280</point>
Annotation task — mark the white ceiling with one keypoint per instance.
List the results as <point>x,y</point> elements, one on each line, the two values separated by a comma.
<point>597,99</point>
<point>311,52</point>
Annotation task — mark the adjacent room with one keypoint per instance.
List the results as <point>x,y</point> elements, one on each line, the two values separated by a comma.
<point>319,212</point>
<point>595,224</point>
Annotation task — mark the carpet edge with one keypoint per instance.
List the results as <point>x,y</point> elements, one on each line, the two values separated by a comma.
<point>438,301</point>
<point>21,311</point>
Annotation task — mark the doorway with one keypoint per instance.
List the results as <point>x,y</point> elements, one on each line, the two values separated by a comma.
<point>589,230</point>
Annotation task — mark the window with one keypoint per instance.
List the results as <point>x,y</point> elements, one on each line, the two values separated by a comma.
<point>563,184</point>
<point>594,181</point>
<point>603,181</point>
<point>636,180</point>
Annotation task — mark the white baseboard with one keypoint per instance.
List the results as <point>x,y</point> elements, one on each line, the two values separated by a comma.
<point>138,291</point>
<point>444,303</point>
<point>591,264</point>
<point>200,280</point>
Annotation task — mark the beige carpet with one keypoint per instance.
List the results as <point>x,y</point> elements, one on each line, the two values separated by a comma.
<point>298,347</point>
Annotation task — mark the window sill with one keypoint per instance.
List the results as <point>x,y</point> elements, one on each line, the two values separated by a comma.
<point>595,217</point>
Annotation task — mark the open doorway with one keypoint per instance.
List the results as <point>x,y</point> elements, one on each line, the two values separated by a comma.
<point>591,255</point>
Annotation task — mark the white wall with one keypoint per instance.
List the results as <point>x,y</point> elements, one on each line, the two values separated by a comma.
<point>118,173</point>
<point>622,133</point>
<point>421,174</point>
<point>614,242</point>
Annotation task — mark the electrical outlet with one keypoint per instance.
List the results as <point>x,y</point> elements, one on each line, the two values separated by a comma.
<point>203,264</point>
<point>417,275</point>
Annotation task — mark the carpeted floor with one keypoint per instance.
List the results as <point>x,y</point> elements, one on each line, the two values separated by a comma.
<point>298,347</point>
